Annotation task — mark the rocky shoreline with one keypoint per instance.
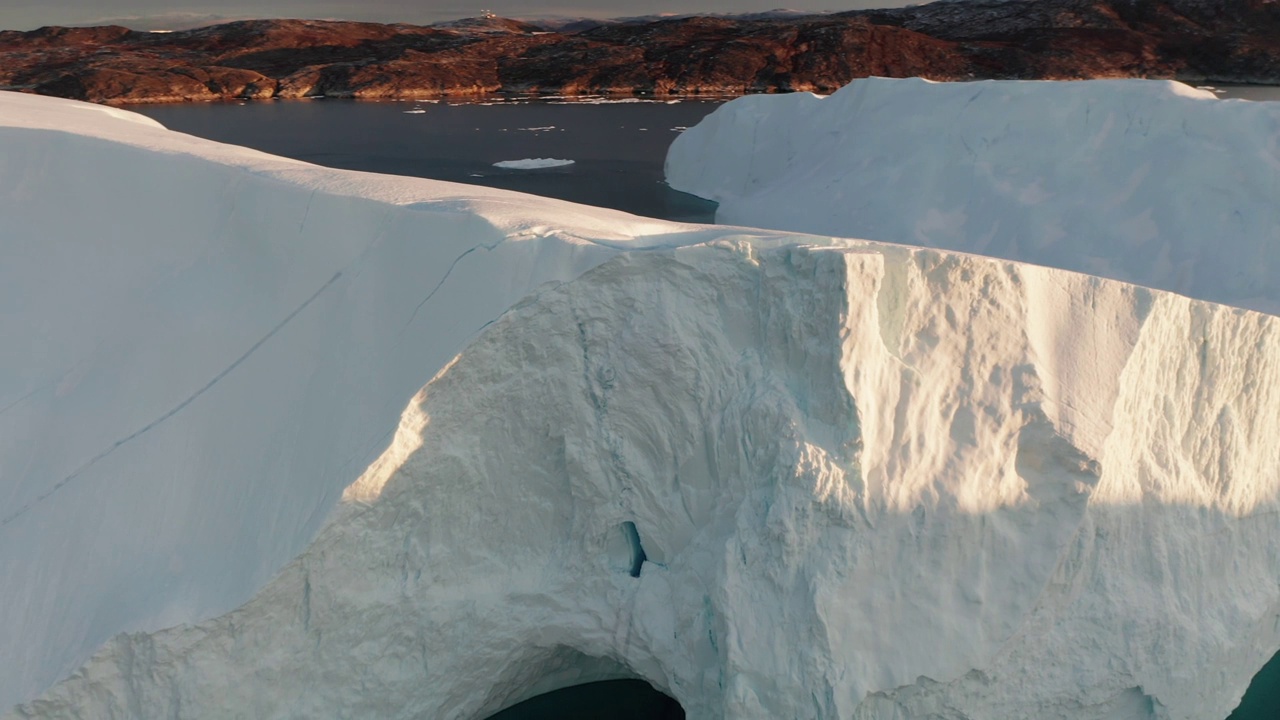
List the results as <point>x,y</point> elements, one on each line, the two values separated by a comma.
<point>1224,41</point>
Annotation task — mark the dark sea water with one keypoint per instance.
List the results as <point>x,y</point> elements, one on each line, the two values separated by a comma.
<point>1248,92</point>
<point>618,148</point>
<point>1262,700</point>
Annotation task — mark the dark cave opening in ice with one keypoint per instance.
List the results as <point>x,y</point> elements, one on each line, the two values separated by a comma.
<point>606,700</point>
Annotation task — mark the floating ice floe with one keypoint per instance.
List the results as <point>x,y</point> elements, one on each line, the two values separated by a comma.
<point>532,164</point>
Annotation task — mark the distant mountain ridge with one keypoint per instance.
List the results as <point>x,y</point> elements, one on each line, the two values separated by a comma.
<point>777,51</point>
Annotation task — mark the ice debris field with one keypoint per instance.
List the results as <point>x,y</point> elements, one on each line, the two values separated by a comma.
<point>282,441</point>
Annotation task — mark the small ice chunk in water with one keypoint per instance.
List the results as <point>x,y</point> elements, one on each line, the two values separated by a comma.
<point>532,163</point>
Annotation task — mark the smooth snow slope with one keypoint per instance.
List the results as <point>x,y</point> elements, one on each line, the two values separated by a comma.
<point>203,345</point>
<point>870,481</point>
<point>1150,182</point>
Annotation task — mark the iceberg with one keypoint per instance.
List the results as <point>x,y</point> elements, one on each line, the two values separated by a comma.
<point>532,163</point>
<point>204,345</point>
<point>283,441</point>
<point>1150,182</point>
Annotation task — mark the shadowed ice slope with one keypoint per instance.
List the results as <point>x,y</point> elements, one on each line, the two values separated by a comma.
<point>1149,182</point>
<point>867,481</point>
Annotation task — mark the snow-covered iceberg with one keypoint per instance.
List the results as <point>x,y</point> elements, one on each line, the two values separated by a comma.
<point>201,346</point>
<point>861,480</point>
<point>1151,182</point>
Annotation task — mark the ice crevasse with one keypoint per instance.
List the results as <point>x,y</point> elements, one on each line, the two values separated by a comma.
<point>868,480</point>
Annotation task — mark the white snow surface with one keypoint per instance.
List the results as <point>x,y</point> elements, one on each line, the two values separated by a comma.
<point>871,481</point>
<point>532,163</point>
<point>1151,182</point>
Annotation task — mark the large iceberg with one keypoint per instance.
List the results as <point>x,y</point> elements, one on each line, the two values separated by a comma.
<point>1150,182</point>
<point>203,345</point>
<point>774,476</point>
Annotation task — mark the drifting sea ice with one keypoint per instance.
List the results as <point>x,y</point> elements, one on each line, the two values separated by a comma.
<point>532,163</point>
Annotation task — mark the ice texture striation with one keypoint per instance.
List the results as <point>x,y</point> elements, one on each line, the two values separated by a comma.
<point>1151,182</point>
<point>773,476</point>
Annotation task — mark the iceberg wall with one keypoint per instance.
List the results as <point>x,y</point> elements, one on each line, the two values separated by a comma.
<point>869,482</point>
<point>203,345</point>
<point>866,480</point>
<point>1150,182</point>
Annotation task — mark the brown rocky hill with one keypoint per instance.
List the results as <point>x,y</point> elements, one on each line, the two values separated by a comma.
<point>1217,40</point>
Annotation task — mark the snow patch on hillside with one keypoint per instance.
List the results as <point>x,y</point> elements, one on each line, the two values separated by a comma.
<point>1151,182</point>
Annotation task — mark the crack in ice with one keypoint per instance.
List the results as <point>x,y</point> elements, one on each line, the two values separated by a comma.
<point>174,411</point>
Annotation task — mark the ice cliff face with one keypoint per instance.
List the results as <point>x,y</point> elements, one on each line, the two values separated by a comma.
<point>868,481</point>
<point>1149,182</point>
